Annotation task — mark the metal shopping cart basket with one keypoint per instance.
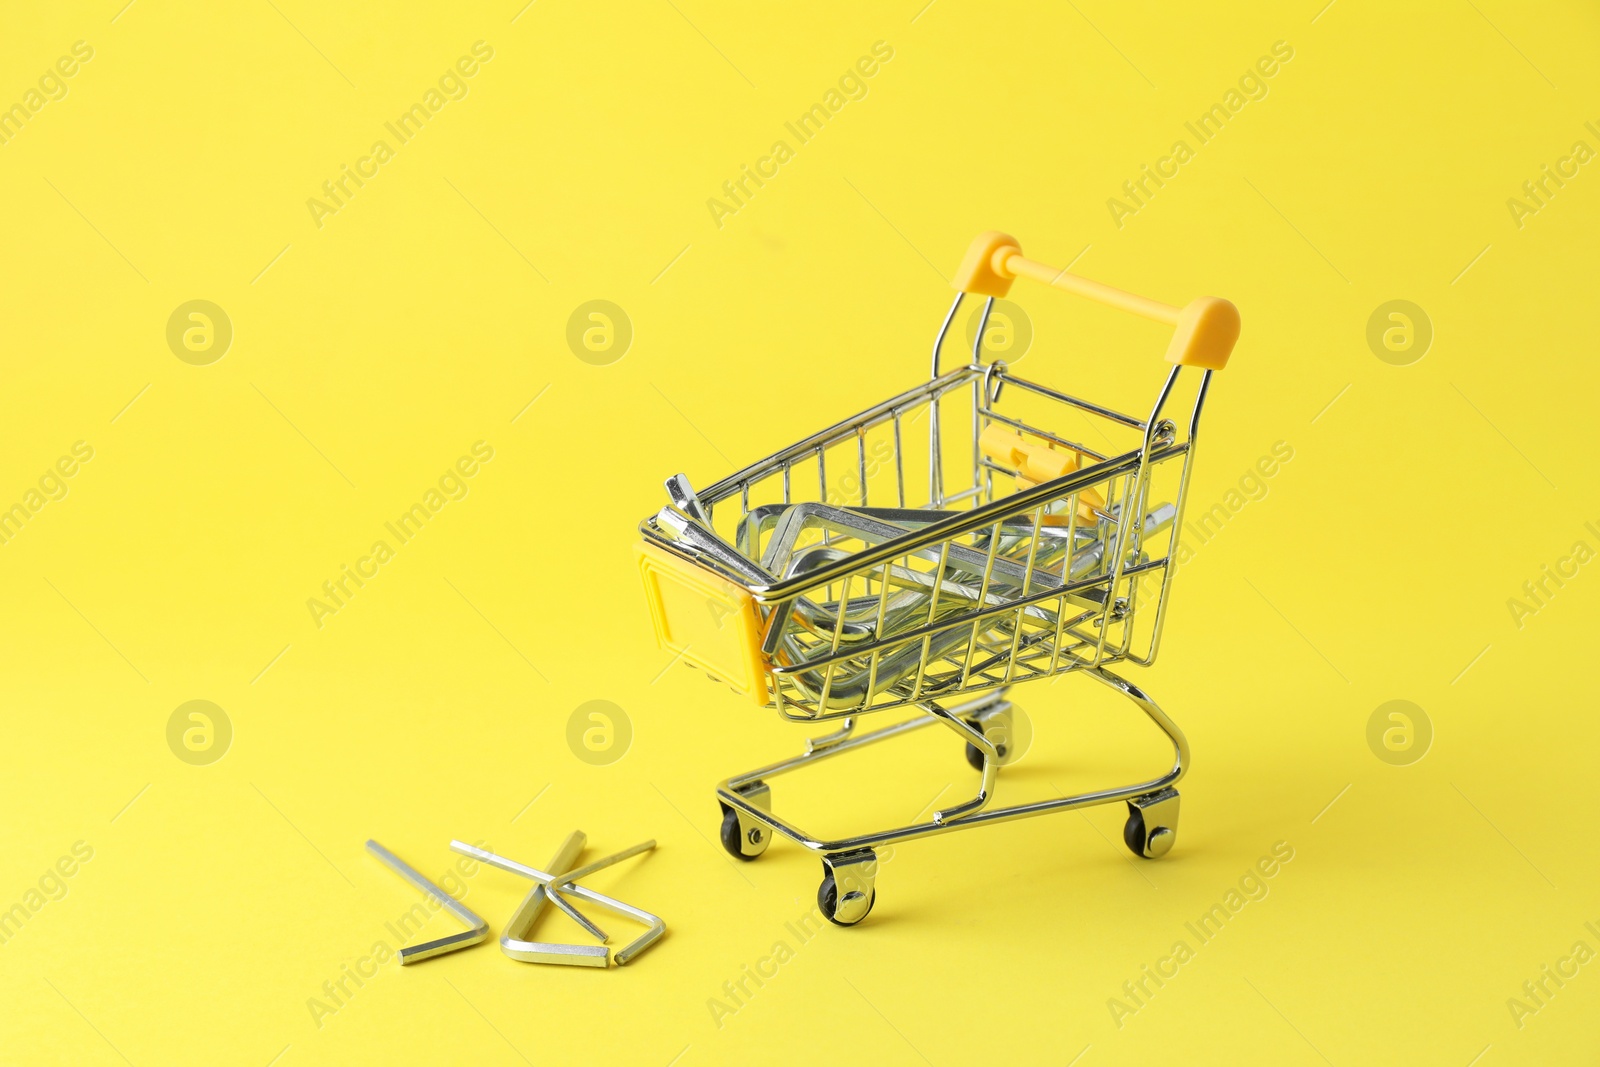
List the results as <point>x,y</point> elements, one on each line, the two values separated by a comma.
<point>976,531</point>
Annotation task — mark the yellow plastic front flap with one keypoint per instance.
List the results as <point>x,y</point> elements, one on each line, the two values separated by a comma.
<point>705,619</point>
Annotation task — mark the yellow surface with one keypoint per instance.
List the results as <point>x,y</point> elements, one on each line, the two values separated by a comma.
<point>1370,523</point>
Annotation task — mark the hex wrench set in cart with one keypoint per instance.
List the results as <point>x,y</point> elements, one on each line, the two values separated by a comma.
<point>976,531</point>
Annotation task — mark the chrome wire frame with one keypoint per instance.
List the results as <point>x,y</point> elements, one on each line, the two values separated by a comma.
<point>992,629</point>
<point>1012,627</point>
<point>973,812</point>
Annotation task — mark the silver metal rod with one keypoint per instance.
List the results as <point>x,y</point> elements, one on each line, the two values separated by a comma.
<point>533,903</point>
<point>1084,405</point>
<point>873,416</point>
<point>656,926</point>
<point>958,525</point>
<point>514,938</point>
<point>477,931</point>
<point>579,917</point>
<point>728,792</point>
<point>562,881</point>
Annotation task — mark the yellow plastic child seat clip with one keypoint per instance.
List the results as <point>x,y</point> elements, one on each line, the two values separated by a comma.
<point>1035,463</point>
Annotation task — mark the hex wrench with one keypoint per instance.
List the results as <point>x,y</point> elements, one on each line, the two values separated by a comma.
<point>678,526</point>
<point>478,928</point>
<point>761,519</point>
<point>853,687</point>
<point>801,517</point>
<point>684,498</point>
<point>513,939</point>
<point>656,926</point>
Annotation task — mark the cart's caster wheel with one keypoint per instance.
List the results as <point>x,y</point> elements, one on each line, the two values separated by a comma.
<point>1009,727</point>
<point>856,872</point>
<point>745,837</point>
<point>828,901</point>
<point>1152,825</point>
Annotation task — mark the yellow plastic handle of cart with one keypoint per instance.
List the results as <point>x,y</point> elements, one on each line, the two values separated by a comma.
<point>1206,328</point>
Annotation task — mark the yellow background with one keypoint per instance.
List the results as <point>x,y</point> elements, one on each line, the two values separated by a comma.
<point>431,309</point>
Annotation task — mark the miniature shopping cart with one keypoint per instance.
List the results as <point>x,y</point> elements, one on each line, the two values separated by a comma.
<point>976,531</point>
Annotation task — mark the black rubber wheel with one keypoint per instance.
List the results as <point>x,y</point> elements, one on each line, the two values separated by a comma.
<point>828,900</point>
<point>1133,832</point>
<point>732,839</point>
<point>975,754</point>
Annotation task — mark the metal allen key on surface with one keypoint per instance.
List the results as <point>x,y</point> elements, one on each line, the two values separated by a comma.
<point>573,913</point>
<point>539,952</point>
<point>477,930</point>
<point>514,938</point>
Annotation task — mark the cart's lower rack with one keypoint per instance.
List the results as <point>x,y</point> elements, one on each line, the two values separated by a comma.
<point>988,726</point>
